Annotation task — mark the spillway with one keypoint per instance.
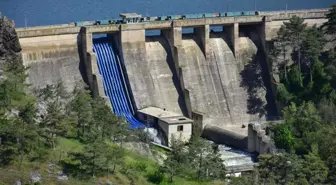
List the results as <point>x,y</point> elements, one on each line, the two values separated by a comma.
<point>214,82</point>
<point>150,70</point>
<point>109,69</point>
<point>161,70</point>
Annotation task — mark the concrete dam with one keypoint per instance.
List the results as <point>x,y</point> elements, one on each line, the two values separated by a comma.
<point>214,77</point>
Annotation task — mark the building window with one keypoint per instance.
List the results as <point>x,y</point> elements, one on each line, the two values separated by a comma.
<point>180,128</point>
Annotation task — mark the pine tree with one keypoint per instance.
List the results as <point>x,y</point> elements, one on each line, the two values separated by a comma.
<point>312,47</point>
<point>204,160</point>
<point>81,106</point>
<point>114,157</point>
<point>314,168</point>
<point>293,33</point>
<point>18,131</point>
<point>330,25</point>
<point>177,160</point>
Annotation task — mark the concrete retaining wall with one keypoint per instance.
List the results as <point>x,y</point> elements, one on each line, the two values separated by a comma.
<point>52,59</point>
<point>220,135</point>
<point>258,141</point>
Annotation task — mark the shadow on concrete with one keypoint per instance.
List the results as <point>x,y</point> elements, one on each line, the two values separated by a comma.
<point>220,135</point>
<point>219,35</point>
<point>170,61</point>
<point>256,77</point>
<point>222,35</point>
<point>81,65</point>
<point>195,38</point>
<point>252,81</point>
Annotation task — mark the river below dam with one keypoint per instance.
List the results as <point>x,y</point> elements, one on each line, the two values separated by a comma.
<point>46,12</point>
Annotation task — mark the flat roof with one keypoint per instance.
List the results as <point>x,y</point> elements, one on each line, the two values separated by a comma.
<point>130,15</point>
<point>158,112</point>
<point>166,116</point>
<point>177,120</point>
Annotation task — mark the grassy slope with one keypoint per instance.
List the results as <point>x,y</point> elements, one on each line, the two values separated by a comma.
<point>140,169</point>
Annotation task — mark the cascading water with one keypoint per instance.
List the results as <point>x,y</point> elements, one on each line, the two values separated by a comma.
<point>113,86</point>
<point>110,71</point>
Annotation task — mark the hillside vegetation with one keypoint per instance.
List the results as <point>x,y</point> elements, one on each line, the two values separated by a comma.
<point>304,59</point>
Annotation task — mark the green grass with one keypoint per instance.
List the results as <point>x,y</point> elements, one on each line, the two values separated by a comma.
<point>138,168</point>
<point>64,146</point>
<point>155,148</point>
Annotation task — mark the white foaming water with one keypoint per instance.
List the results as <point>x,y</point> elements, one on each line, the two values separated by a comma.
<point>234,157</point>
<point>153,135</point>
<point>231,156</point>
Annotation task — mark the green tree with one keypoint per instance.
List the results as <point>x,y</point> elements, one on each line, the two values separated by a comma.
<point>81,107</point>
<point>97,159</point>
<point>177,160</point>
<point>327,150</point>
<point>104,118</point>
<point>330,25</point>
<point>18,131</point>
<point>314,168</point>
<point>205,160</point>
<point>283,95</point>
<point>312,47</point>
<point>286,168</point>
<point>330,68</point>
<point>283,137</point>
<point>281,169</point>
<point>54,124</point>
<point>281,50</point>
<point>240,181</point>
<point>114,157</point>
<point>90,162</point>
<point>54,120</point>
<point>293,32</point>
<point>327,111</point>
<point>303,122</point>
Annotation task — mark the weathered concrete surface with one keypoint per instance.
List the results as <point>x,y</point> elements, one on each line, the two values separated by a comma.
<point>161,71</point>
<point>258,141</point>
<point>134,59</point>
<point>52,59</point>
<point>220,135</point>
<point>150,71</point>
<point>39,31</point>
<point>214,82</point>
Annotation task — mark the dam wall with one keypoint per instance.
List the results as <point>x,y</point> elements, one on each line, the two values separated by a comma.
<point>149,68</point>
<point>221,79</point>
<point>52,59</point>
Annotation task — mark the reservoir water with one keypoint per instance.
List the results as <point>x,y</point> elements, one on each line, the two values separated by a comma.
<point>46,12</point>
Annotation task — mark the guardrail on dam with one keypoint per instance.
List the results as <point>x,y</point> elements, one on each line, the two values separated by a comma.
<point>199,75</point>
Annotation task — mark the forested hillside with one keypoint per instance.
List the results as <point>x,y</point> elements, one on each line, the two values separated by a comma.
<point>304,59</point>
